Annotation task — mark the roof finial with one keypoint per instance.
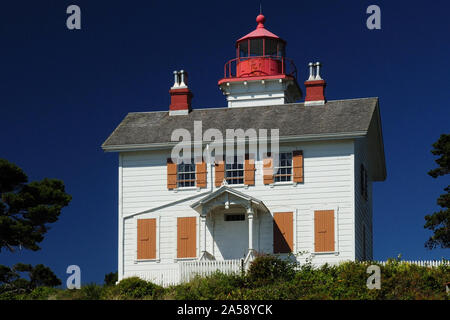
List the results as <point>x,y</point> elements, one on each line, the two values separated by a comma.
<point>260,19</point>
<point>260,7</point>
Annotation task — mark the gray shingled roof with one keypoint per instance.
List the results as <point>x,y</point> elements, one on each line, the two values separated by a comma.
<point>335,117</point>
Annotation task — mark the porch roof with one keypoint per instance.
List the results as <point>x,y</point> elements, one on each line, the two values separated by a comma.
<point>215,197</point>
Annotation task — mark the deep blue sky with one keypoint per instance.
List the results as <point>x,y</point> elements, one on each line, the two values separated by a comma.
<point>63,92</point>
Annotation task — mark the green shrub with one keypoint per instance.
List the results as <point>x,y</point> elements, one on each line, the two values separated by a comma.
<point>8,295</point>
<point>91,291</point>
<point>216,286</point>
<point>42,293</point>
<point>136,288</point>
<point>268,269</point>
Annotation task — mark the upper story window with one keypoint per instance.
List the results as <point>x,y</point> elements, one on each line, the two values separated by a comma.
<point>234,170</point>
<point>364,182</point>
<point>283,172</point>
<point>186,174</point>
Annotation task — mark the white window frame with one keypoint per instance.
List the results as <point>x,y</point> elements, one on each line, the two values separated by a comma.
<point>187,172</point>
<point>275,169</point>
<point>235,170</point>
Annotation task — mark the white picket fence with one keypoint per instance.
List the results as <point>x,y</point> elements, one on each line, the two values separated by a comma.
<point>184,271</point>
<point>421,263</point>
<point>189,269</point>
<point>163,278</point>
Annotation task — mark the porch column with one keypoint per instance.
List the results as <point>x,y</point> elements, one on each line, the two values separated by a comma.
<point>203,225</point>
<point>250,228</point>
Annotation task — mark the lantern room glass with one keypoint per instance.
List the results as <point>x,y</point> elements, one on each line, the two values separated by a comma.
<point>261,47</point>
<point>270,47</point>
<point>256,47</point>
<point>243,49</point>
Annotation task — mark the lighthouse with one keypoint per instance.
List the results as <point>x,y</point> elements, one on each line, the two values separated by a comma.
<point>311,192</point>
<point>261,74</point>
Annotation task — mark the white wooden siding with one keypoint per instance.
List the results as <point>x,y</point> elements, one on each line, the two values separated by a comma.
<point>329,174</point>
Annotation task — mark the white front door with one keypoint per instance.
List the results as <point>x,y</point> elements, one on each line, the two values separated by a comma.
<point>231,235</point>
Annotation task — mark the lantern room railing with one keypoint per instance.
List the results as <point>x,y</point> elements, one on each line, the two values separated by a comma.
<point>264,67</point>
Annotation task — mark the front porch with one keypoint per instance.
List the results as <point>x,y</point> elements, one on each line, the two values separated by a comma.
<point>227,220</point>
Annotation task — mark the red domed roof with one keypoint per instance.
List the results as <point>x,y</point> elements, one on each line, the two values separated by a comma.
<point>260,31</point>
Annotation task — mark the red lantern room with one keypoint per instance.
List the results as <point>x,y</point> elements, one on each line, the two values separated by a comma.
<point>260,55</point>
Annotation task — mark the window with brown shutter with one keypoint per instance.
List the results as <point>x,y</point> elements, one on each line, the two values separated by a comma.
<point>146,239</point>
<point>171,174</point>
<point>297,164</point>
<point>283,232</point>
<point>268,168</point>
<point>186,172</point>
<point>249,170</point>
<point>283,171</point>
<point>219,172</point>
<point>324,231</point>
<point>201,174</point>
<point>186,237</point>
<point>234,170</point>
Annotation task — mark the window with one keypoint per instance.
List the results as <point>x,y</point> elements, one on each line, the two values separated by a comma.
<point>243,49</point>
<point>256,47</point>
<point>364,183</point>
<point>186,234</point>
<point>283,172</point>
<point>271,47</point>
<point>281,49</point>
<point>234,170</point>
<point>186,174</point>
<point>235,217</point>
<point>146,239</point>
<point>283,232</point>
<point>324,236</point>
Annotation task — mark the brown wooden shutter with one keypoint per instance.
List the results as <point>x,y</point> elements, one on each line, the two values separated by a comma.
<point>171,174</point>
<point>283,232</point>
<point>187,240</point>
<point>268,169</point>
<point>201,174</point>
<point>249,170</point>
<point>146,239</point>
<point>219,172</point>
<point>297,164</point>
<point>324,231</point>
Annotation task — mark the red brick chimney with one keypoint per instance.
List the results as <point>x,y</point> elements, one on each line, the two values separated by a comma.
<point>315,86</point>
<point>180,95</point>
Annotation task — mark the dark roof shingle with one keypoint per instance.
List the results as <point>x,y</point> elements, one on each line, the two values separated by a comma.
<point>335,117</point>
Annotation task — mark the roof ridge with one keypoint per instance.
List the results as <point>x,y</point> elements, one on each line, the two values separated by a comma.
<point>285,104</point>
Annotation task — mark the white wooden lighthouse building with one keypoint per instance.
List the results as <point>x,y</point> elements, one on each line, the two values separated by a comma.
<point>311,198</point>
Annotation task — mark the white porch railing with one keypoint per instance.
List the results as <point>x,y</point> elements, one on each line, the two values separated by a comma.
<point>189,269</point>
